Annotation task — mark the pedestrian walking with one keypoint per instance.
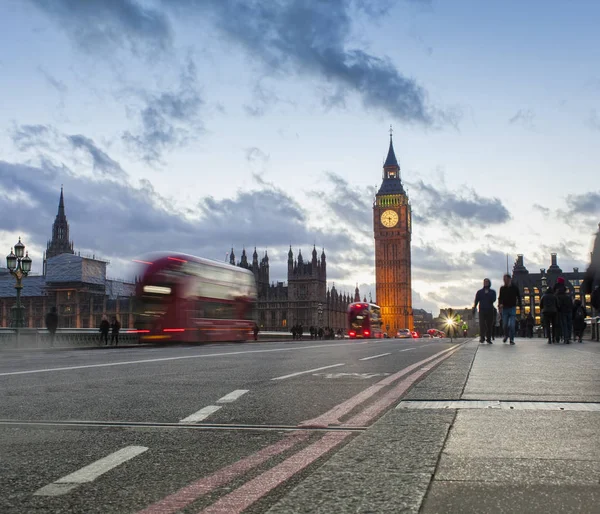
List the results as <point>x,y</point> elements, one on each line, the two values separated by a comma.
<point>104,329</point>
<point>52,324</point>
<point>255,331</point>
<point>508,300</point>
<point>579,315</point>
<point>485,298</point>
<point>565,310</point>
<point>529,323</point>
<point>115,328</point>
<point>549,308</point>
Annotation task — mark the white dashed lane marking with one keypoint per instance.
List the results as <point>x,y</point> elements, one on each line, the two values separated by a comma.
<point>233,396</point>
<point>374,356</point>
<point>91,472</point>
<point>201,415</point>
<point>307,371</point>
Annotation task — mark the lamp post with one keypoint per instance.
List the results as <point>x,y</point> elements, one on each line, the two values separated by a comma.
<point>19,265</point>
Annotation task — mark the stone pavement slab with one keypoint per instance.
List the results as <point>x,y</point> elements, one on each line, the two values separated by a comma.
<point>529,460</point>
<point>534,370</point>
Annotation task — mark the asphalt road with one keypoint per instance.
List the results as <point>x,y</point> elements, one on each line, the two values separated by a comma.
<point>121,430</point>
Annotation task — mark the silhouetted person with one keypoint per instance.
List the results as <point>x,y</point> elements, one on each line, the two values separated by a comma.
<point>485,298</point>
<point>579,315</point>
<point>565,309</point>
<point>52,324</point>
<point>115,328</point>
<point>255,330</point>
<point>529,323</point>
<point>508,299</point>
<point>549,308</point>
<point>104,329</point>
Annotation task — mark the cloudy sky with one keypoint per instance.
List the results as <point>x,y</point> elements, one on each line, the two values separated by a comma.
<point>196,125</point>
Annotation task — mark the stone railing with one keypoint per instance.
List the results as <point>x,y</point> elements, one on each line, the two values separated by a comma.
<point>73,337</point>
<point>84,337</point>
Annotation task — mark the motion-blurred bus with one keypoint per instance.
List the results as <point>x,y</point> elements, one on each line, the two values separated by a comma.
<point>189,299</point>
<point>364,321</point>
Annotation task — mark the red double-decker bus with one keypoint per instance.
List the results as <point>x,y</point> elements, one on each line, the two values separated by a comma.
<point>189,299</point>
<point>364,321</point>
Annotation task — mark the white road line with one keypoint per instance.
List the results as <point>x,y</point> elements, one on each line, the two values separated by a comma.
<point>408,349</point>
<point>201,415</point>
<point>91,472</point>
<point>233,396</point>
<point>374,356</point>
<point>180,357</point>
<point>307,371</point>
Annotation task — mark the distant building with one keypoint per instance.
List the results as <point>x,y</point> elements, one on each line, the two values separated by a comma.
<point>533,285</point>
<point>77,286</point>
<point>305,299</point>
<point>423,320</point>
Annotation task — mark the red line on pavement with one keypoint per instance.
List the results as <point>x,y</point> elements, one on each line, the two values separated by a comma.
<point>390,397</point>
<point>332,416</point>
<point>190,493</point>
<point>240,499</point>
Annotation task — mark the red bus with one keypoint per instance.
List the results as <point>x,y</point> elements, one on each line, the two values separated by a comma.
<point>364,321</point>
<point>189,299</point>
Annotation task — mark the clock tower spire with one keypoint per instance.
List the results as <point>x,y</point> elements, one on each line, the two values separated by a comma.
<point>392,231</point>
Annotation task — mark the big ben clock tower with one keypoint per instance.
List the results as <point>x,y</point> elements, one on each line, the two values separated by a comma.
<point>392,230</point>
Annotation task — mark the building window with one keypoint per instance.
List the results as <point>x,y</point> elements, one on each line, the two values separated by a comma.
<point>537,309</point>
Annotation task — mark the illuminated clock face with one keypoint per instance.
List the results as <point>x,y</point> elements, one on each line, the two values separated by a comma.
<point>389,218</point>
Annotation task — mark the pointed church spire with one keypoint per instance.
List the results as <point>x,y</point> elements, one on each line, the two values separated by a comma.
<point>60,243</point>
<point>61,203</point>
<point>391,184</point>
<point>391,156</point>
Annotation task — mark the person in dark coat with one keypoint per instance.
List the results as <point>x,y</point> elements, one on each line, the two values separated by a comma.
<point>115,328</point>
<point>52,324</point>
<point>579,315</point>
<point>104,329</point>
<point>485,298</point>
<point>255,331</point>
<point>549,308</point>
<point>530,322</point>
<point>565,310</point>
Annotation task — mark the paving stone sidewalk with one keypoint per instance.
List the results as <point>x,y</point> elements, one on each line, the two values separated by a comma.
<point>487,456</point>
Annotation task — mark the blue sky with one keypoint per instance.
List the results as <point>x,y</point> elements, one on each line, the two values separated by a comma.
<point>198,124</point>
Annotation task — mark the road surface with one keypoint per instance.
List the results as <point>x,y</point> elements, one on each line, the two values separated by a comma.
<point>215,428</point>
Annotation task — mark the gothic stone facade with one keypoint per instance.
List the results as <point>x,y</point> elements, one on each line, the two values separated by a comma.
<point>534,285</point>
<point>77,286</point>
<point>305,299</point>
<point>392,231</point>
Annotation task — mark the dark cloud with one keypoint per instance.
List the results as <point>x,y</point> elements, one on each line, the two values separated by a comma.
<point>255,154</point>
<point>168,119</point>
<point>523,117</point>
<point>429,258</point>
<point>59,85</point>
<point>544,210</point>
<point>45,138</point>
<point>299,37</point>
<point>27,137</point>
<point>122,222</point>
<point>456,208</point>
<point>100,160</point>
<point>350,205</point>
<point>586,204</point>
<point>492,260</point>
<point>106,25</point>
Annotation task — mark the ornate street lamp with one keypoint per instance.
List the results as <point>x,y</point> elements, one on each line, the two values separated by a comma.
<point>19,267</point>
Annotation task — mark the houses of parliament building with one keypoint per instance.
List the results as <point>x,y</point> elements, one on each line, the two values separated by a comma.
<point>82,293</point>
